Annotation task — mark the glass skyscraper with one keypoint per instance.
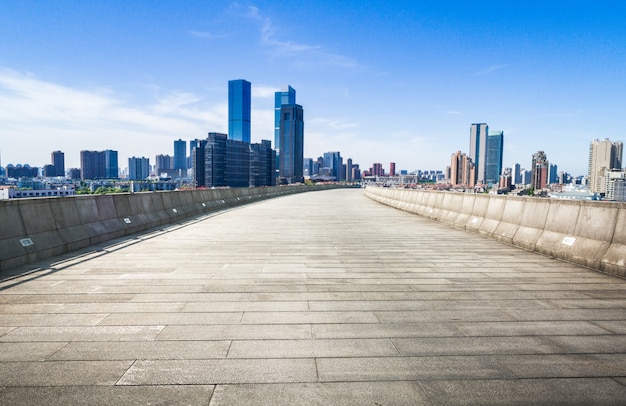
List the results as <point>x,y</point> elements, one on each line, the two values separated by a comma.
<point>291,140</point>
<point>486,153</point>
<point>287,95</point>
<point>493,162</point>
<point>180,155</point>
<point>239,108</point>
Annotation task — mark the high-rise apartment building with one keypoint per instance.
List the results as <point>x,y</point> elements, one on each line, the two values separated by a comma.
<point>517,174</point>
<point>287,95</point>
<point>239,110</point>
<point>58,162</point>
<point>291,141</point>
<point>462,170</point>
<point>98,165</point>
<point>180,155</point>
<point>392,169</point>
<point>540,167</point>
<point>163,164</point>
<point>377,169</point>
<point>603,157</point>
<point>138,168</point>
<point>349,174</point>
<point>486,150</point>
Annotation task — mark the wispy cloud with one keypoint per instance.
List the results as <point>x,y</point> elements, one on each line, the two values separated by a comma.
<point>206,35</point>
<point>269,38</point>
<point>491,69</point>
<point>50,116</point>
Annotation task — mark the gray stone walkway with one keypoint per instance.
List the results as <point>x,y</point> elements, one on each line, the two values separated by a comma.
<point>324,298</point>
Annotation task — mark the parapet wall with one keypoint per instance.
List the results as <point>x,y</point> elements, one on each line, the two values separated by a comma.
<point>35,229</point>
<point>588,233</point>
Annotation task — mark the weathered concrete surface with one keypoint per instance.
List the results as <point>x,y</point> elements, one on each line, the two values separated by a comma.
<point>311,299</point>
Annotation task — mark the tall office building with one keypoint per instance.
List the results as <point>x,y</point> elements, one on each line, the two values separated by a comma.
<point>262,164</point>
<point>180,155</point>
<point>349,174</point>
<point>291,141</point>
<point>540,167</point>
<point>517,174</point>
<point>486,153</point>
<point>334,162</point>
<point>392,169</point>
<point>138,168</point>
<point>603,156</point>
<point>478,150</point>
<point>239,110</point>
<point>58,161</point>
<point>493,163</point>
<point>111,168</point>
<point>287,95</point>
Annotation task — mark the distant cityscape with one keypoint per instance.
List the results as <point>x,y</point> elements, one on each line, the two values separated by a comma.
<point>231,160</point>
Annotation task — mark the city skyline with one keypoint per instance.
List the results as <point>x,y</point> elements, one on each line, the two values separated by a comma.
<point>380,82</point>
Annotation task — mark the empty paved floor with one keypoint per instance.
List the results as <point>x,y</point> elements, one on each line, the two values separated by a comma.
<point>318,298</point>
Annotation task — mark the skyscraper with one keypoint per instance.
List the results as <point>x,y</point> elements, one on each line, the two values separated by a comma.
<point>111,168</point>
<point>334,162</point>
<point>462,170</point>
<point>287,95</point>
<point>603,156</point>
<point>478,150</point>
<point>291,141</point>
<point>540,167</point>
<point>239,110</point>
<point>493,162</point>
<point>58,161</point>
<point>180,155</point>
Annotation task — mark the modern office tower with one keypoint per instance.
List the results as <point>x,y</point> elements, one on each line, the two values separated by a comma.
<point>517,174</point>
<point>349,174</point>
<point>262,164</point>
<point>163,164</point>
<point>603,156</point>
<point>58,161</point>
<point>287,95</point>
<point>392,169</point>
<point>462,170</point>
<point>291,141</point>
<point>239,110</point>
<point>180,155</point>
<point>478,150</point>
<point>334,162</point>
<point>138,168</point>
<point>307,167</point>
<point>486,153</point>
<point>553,174</point>
<point>237,169</point>
<point>493,163</point>
<point>540,167</point>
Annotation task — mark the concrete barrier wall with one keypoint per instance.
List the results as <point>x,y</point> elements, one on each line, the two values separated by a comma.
<point>36,229</point>
<point>591,234</point>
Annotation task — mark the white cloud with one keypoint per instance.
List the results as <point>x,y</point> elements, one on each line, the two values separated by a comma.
<point>39,117</point>
<point>491,69</point>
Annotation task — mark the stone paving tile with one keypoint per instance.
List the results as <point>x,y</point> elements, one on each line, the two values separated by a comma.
<point>409,368</point>
<point>548,392</point>
<point>321,394</point>
<point>614,326</point>
<point>567,314</point>
<point>108,395</point>
<point>76,308</point>
<point>28,351</point>
<point>56,373</point>
<point>60,299</point>
<point>236,332</point>
<point>205,372</point>
<point>385,330</point>
<point>89,333</point>
<point>475,346</point>
<point>530,328</point>
<point>591,344</point>
<point>563,365</point>
<point>432,316</point>
<point>35,320</point>
<point>246,307</point>
<point>105,350</point>
<point>312,348</point>
<point>171,319</point>
<point>308,317</point>
<point>191,297</point>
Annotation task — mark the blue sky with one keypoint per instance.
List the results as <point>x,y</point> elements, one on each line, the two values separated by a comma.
<point>379,81</point>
